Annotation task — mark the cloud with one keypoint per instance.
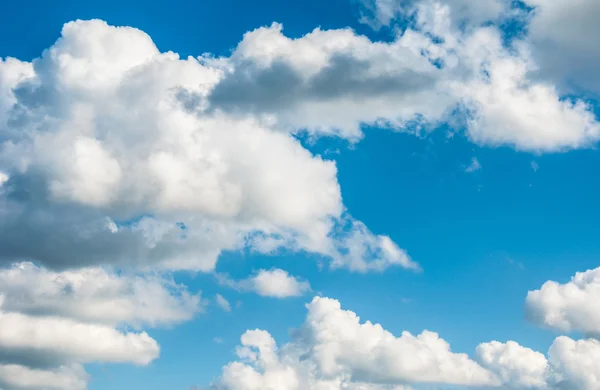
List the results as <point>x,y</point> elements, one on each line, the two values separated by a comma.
<point>275,283</point>
<point>179,182</point>
<point>378,13</point>
<point>474,166</point>
<point>575,363</point>
<point>223,303</point>
<point>559,34</point>
<point>53,322</point>
<point>516,366</point>
<point>43,341</point>
<point>333,350</point>
<point>15,377</point>
<point>568,307</point>
<point>97,296</point>
<point>328,81</point>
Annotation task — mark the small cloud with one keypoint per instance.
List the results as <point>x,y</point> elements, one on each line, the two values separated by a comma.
<point>474,166</point>
<point>535,166</point>
<point>223,303</point>
<point>275,283</point>
<point>3,178</point>
<point>218,340</point>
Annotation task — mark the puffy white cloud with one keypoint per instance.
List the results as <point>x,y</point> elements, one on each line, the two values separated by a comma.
<point>575,363</point>
<point>573,306</point>
<point>53,322</point>
<point>128,155</point>
<point>16,377</point>
<point>334,350</point>
<point>275,283</point>
<point>516,366</point>
<point>97,296</point>
<point>507,108</point>
<point>330,81</point>
<point>278,283</point>
<point>51,340</point>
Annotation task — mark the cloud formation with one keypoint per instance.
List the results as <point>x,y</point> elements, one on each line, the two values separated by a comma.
<point>568,307</point>
<point>53,322</point>
<point>333,350</point>
<point>275,283</point>
<point>112,148</point>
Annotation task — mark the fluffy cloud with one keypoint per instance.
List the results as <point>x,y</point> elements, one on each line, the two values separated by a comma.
<point>16,377</point>
<point>568,307</point>
<point>334,350</point>
<point>516,366</point>
<point>53,322</point>
<point>49,340</point>
<point>97,296</point>
<point>116,150</point>
<point>329,82</point>
<point>575,363</point>
<point>275,283</point>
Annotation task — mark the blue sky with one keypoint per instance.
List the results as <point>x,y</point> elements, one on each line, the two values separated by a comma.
<point>339,160</point>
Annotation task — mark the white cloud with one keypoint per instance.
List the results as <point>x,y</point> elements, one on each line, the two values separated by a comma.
<point>183,178</point>
<point>97,296</point>
<point>16,377</point>
<point>516,366</point>
<point>223,303</point>
<point>53,322</point>
<point>568,307</point>
<point>575,363</point>
<point>278,283</point>
<point>275,283</point>
<point>52,340</point>
<point>334,350</point>
<point>474,166</point>
<point>507,108</point>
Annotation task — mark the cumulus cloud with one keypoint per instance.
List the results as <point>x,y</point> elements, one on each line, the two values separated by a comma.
<point>53,322</point>
<point>334,350</point>
<point>275,283</point>
<point>517,367</point>
<point>16,377</point>
<point>329,81</point>
<point>44,341</point>
<point>568,307</point>
<point>97,296</point>
<point>575,363</point>
<point>116,150</point>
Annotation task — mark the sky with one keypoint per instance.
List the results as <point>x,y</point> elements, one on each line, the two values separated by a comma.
<point>314,195</point>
